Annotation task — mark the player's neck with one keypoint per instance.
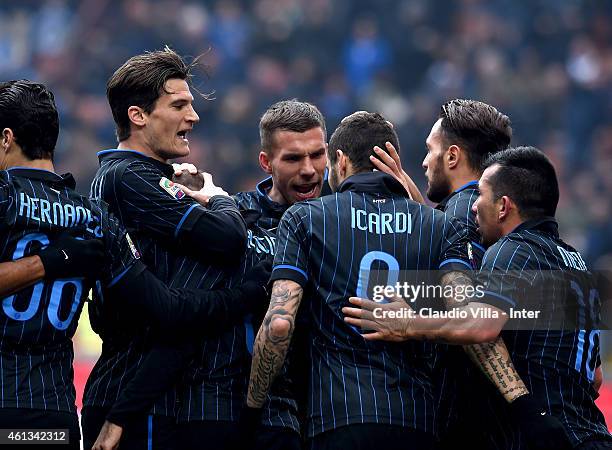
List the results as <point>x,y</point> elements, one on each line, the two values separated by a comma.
<point>275,195</point>
<point>134,144</point>
<point>511,223</point>
<point>44,164</point>
<point>462,179</point>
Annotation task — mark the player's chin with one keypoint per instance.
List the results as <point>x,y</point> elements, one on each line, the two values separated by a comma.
<point>181,150</point>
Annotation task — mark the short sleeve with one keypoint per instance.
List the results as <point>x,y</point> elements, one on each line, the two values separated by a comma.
<point>455,253</point>
<point>292,244</point>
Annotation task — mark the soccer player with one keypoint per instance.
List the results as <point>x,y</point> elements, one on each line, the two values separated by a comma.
<point>197,242</point>
<point>464,133</point>
<point>360,395</point>
<point>515,215</point>
<point>37,207</point>
<point>293,152</point>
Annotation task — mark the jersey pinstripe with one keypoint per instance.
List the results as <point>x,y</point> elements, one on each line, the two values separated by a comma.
<point>39,322</point>
<point>368,225</point>
<point>556,365</point>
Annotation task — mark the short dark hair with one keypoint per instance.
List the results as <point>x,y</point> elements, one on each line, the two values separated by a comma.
<point>140,82</point>
<point>479,128</point>
<point>289,115</point>
<point>29,110</point>
<point>357,135</point>
<point>527,176</point>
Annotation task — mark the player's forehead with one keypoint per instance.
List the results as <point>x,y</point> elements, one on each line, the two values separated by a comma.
<point>435,134</point>
<point>176,89</point>
<point>300,143</point>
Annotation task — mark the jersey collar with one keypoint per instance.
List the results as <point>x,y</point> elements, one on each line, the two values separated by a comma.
<point>469,185</point>
<point>267,204</point>
<point>116,153</point>
<point>546,224</point>
<point>373,183</point>
<point>65,180</point>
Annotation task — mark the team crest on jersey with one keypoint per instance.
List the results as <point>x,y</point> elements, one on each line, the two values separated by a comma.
<point>171,188</point>
<point>133,248</point>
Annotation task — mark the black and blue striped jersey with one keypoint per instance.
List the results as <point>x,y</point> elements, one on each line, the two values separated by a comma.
<point>333,245</point>
<point>216,383</point>
<point>556,362</point>
<point>459,205</point>
<point>457,382</point>
<point>161,220</point>
<point>258,200</point>
<point>39,322</point>
<point>281,406</point>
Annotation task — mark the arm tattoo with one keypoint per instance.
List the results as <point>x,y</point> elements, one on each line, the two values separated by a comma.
<point>494,360</point>
<point>457,280</point>
<point>273,338</point>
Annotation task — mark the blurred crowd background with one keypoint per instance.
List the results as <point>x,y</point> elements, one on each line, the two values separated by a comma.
<point>545,63</point>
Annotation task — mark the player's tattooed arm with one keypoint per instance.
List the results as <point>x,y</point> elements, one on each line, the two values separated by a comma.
<point>272,341</point>
<point>458,281</point>
<point>494,360</point>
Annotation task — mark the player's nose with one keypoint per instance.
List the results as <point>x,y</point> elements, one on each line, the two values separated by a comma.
<point>307,168</point>
<point>192,116</point>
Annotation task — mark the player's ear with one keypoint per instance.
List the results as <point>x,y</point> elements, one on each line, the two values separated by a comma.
<point>341,162</point>
<point>505,207</point>
<point>7,139</point>
<point>264,162</point>
<point>453,154</point>
<point>137,116</point>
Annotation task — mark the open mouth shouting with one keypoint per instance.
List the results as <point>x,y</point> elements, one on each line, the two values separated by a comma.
<point>182,135</point>
<point>306,191</point>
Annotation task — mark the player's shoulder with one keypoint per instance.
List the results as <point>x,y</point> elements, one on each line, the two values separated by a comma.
<point>5,180</point>
<point>510,252</point>
<point>461,203</point>
<point>128,167</point>
<point>245,199</point>
<point>426,213</point>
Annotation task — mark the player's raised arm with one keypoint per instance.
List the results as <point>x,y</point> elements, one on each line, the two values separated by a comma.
<point>159,208</point>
